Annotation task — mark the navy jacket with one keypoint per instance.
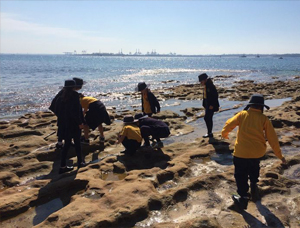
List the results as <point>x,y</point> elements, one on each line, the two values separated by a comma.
<point>212,96</point>
<point>154,104</point>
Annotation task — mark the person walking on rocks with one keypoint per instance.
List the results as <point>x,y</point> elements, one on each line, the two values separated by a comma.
<point>70,122</point>
<point>156,128</point>
<point>210,102</point>
<point>130,136</point>
<point>95,114</point>
<point>150,104</point>
<point>250,147</point>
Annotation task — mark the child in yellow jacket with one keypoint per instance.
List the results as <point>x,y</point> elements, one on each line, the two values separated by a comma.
<point>250,146</point>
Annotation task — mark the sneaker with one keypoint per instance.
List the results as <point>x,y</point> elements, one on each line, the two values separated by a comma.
<point>65,169</point>
<point>85,141</point>
<point>102,139</point>
<point>255,193</point>
<point>241,202</point>
<point>210,135</point>
<point>158,145</point>
<point>153,144</point>
<point>59,145</point>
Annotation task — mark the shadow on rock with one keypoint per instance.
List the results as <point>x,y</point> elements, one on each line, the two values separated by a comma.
<point>271,219</point>
<point>144,160</point>
<point>57,193</point>
<point>223,154</point>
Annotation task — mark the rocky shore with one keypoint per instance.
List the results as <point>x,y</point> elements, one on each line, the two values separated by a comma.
<point>184,184</point>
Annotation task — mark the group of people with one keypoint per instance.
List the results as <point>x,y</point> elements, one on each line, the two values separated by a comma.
<point>250,146</point>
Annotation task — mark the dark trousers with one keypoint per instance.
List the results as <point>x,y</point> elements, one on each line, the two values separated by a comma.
<point>131,145</point>
<point>68,141</point>
<point>156,133</point>
<point>208,118</point>
<point>245,168</point>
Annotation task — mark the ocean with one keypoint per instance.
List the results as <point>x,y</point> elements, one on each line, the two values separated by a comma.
<point>28,83</point>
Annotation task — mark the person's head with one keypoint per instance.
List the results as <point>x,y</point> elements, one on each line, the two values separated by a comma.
<point>128,119</point>
<point>202,78</point>
<point>257,101</point>
<point>69,86</point>
<point>79,83</point>
<point>140,116</point>
<point>142,87</point>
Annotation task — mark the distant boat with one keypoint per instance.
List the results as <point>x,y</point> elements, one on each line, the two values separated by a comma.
<point>280,58</point>
<point>243,56</point>
<point>257,56</point>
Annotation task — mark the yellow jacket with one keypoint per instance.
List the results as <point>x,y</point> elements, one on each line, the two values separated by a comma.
<point>131,131</point>
<point>254,129</point>
<point>86,101</point>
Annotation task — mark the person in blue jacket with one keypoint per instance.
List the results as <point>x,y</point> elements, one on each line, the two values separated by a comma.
<point>156,128</point>
<point>210,102</point>
<point>150,104</point>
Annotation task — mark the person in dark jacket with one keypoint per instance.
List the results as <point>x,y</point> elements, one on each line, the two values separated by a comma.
<point>210,102</point>
<point>69,120</point>
<point>150,104</point>
<point>79,83</point>
<point>156,128</point>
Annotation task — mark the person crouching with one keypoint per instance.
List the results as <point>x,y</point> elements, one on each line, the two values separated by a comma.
<point>156,128</point>
<point>130,135</point>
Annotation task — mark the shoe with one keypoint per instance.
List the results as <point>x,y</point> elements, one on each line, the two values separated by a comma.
<point>85,141</point>
<point>209,135</point>
<point>102,139</point>
<point>254,193</point>
<point>82,164</point>
<point>241,202</point>
<point>59,145</point>
<point>65,169</point>
<point>158,145</point>
<point>153,144</point>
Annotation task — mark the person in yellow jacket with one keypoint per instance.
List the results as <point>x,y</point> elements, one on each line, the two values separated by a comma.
<point>95,114</point>
<point>250,147</point>
<point>130,135</point>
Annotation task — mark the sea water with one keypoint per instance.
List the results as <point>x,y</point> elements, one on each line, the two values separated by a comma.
<point>28,83</point>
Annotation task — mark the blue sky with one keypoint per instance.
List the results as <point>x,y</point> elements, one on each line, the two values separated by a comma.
<point>182,27</point>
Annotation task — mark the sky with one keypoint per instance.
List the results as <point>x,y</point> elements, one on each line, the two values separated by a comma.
<point>181,27</point>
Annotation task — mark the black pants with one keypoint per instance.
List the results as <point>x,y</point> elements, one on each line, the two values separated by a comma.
<point>208,118</point>
<point>245,168</point>
<point>157,133</point>
<point>131,145</point>
<point>68,140</point>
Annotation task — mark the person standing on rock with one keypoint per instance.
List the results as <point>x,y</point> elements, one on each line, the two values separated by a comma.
<point>250,147</point>
<point>156,128</point>
<point>210,102</point>
<point>79,83</point>
<point>130,136</point>
<point>95,114</point>
<point>150,104</point>
<point>70,122</point>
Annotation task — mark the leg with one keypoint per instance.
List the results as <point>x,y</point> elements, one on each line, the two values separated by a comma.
<point>86,131</point>
<point>130,145</point>
<point>78,147</point>
<point>64,153</point>
<point>146,132</point>
<point>101,131</point>
<point>208,118</point>
<point>241,175</point>
<point>253,175</point>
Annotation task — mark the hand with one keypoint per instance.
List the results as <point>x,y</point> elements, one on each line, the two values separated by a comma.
<point>81,126</point>
<point>211,107</point>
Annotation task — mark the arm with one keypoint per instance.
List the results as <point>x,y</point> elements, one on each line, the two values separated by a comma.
<point>230,125</point>
<point>273,139</point>
<point>121,138</point>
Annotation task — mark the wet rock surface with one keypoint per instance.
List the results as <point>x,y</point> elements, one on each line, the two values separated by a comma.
<point>181,185</point>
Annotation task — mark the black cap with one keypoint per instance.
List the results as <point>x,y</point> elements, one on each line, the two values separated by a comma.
<point>142,86</point>
<point>69,83</point>
<point>256,99</point>
<point>202,77</point>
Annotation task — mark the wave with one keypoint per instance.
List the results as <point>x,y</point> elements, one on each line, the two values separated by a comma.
<point>165,71</point>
